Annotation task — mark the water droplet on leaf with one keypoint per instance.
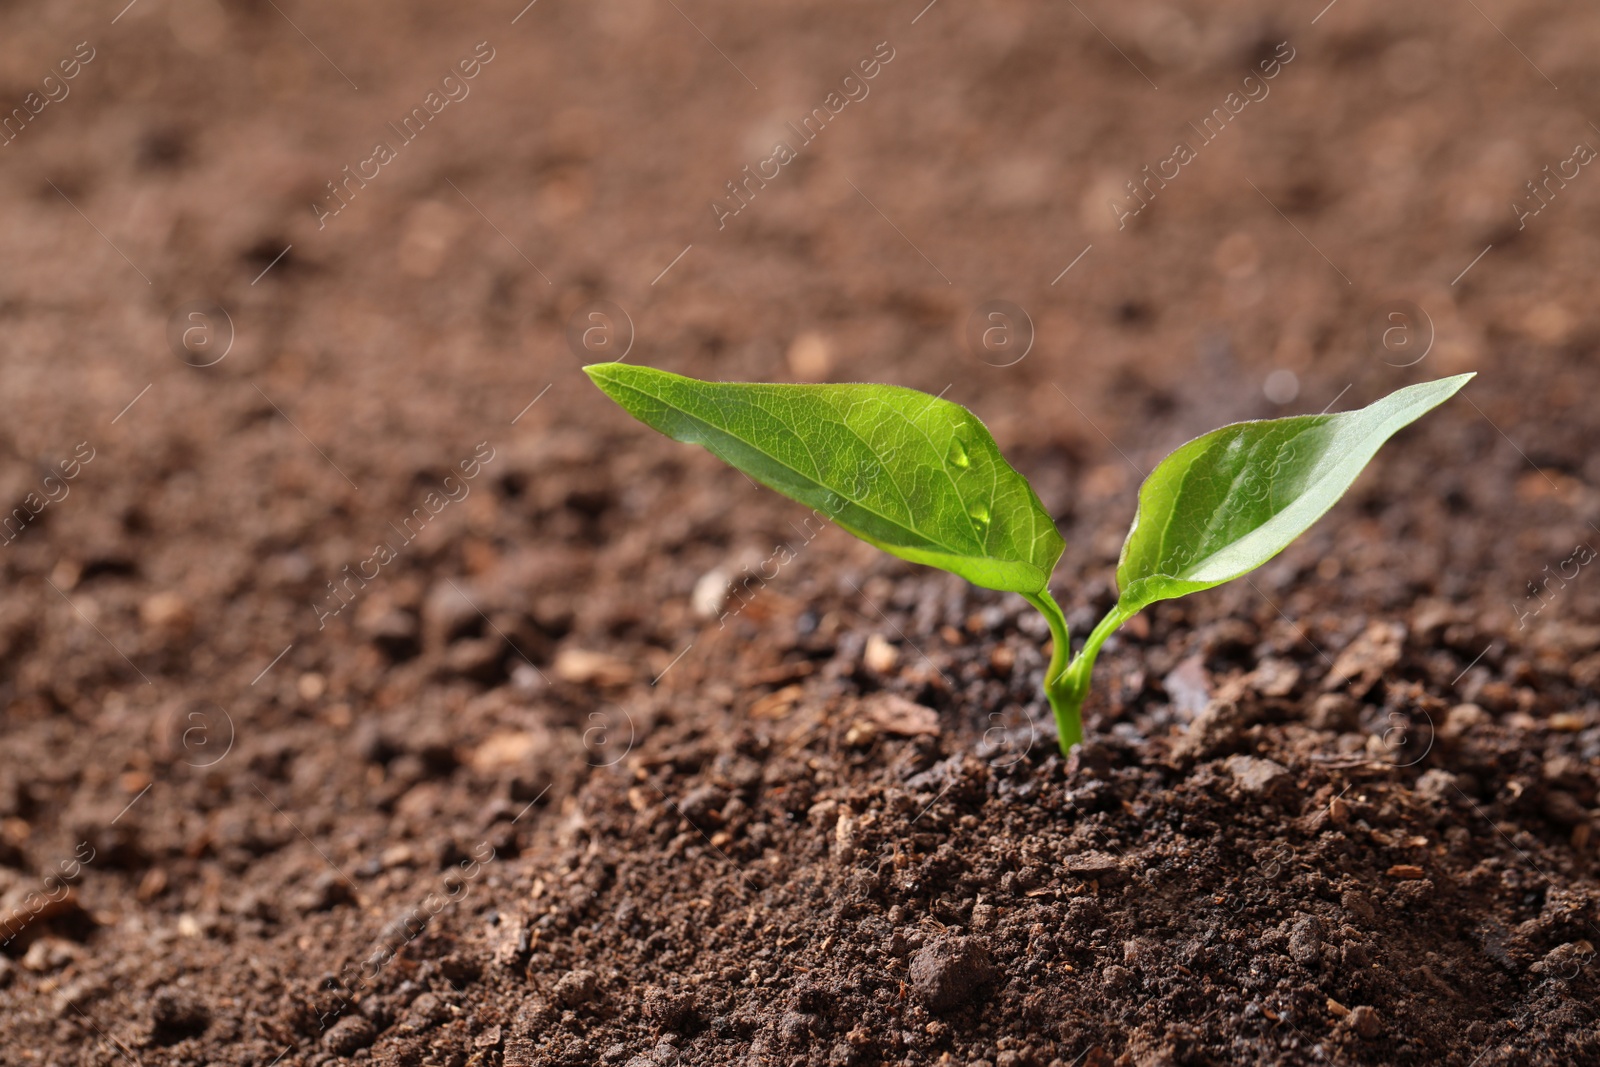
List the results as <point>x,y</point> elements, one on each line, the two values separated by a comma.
<point>958,453</point>
<point>979,513</point>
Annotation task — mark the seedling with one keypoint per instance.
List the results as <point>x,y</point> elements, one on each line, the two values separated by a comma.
<point>922,479</point>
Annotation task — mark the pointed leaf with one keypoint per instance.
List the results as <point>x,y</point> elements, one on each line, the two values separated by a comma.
<point>1225,503</point>
<point>915,475</point>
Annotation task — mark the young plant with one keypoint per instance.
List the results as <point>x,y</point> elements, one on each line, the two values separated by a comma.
<point>922,479</point>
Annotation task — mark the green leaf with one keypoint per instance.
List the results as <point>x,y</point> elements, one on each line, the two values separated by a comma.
<point>915,475</point>
<point>1223,504</point>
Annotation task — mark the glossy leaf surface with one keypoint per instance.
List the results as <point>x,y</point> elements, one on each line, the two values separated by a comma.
<point>1225,503</point>
<point>915,475</point>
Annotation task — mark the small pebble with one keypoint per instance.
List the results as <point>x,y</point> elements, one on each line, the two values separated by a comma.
<point>810,357</point>
<point>666,1008</point>
<point>1305,942</point>
<point>1334,712</point>
<point>1189,687</point>
<point>861,734</point>
<point>349,1034</point>
<point>1261,777</point>
<point>167,613</point>
<point>880,655</point>
<point>1437,784</point>
<point>947,973</point>
<point>710,593</point>
<point>49,954</point>
<point>576,988</point>
<point>582,667</point>
<point>1462,720</point>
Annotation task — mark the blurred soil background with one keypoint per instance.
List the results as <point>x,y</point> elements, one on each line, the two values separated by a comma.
<point>532,788</point>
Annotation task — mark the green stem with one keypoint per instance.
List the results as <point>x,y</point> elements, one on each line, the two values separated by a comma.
<point>1069,722</point>
<point>1066,684</point>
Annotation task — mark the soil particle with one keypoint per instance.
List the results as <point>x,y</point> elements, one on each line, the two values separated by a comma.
<point>477,658</point>
<point>1563,809</point>
<point>1274,678</point>
<point>427,1010</point>
<point>1365,1022</point>
<point>176,1014</point>
<point>328,890</point>
<point>448,613</point>
<point>703,802</point>
<point>349,1034</point>
<point>168,614</point>
<point>583,667</point>
<point>668,1009</point>
<point>576,988</point>
<point>1438,785</point>
<point>948,971</point>
<point>1217,729</point>
<point>1262,778</point>
<point>1091,759</point>
<point>1335,712</point>
<point>1305,940</point>
<point>1564,961</point>
<point>1228,637</point>
<point>1462,720</point>
<point>710,593</point>
<point>894,714</point>
<point>1189,687</point>
<point>1094,865</point>
<point>50,954</point>
<point>798,1027</point>
<point>395,632</point>
<point>1366,658</point>
<point>879,656</point>
<point>1142,953</point>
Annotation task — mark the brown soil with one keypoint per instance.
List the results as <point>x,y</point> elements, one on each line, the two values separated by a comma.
<point>521,800</point>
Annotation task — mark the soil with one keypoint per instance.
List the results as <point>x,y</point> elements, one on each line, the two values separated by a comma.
<point>372,692</point>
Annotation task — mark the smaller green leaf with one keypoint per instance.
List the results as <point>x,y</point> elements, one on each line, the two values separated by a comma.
<point>915,475</point>
<point>1225,503</point>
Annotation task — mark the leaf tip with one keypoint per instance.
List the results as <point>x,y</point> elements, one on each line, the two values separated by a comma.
<point>604,376</point>
<point>1449,386</point>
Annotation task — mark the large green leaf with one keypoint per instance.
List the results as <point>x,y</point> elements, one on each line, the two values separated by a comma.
<point>915,475</point>
<point>1223,504</point>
